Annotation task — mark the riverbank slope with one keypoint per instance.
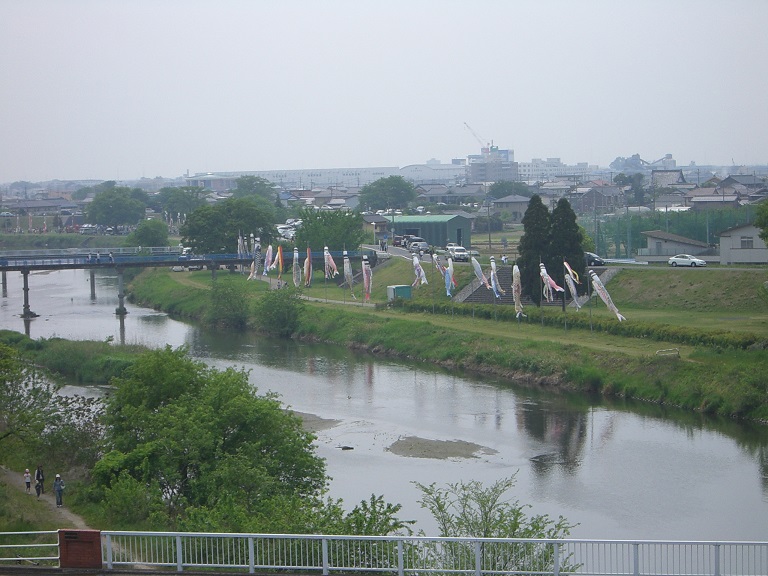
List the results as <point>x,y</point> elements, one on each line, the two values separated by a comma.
<point>683,343</point>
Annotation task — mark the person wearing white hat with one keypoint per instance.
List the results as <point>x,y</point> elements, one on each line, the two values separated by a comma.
<point>28,480</point>
<point>58,488</point>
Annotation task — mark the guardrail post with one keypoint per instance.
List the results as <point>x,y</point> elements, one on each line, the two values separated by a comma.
<point>556,552</point>
<point>717,559</point>
<point>251,557</point>
<point>478,558</point>
<point>108,544</point>
<point>179,555</point>
<point>325,556</point>
<point>400,559</point>
<point>636,558</point>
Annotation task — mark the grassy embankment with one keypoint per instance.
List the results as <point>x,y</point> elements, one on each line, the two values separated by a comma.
<point>715,318</point>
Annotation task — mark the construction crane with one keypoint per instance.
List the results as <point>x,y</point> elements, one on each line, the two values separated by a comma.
<point>484,147</point>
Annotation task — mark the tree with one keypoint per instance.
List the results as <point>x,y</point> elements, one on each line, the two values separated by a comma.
<point>183,200</point>
<point>26,402</point>
<point>115,206</point>
<point>149,233</point>
<point>335,229</point>
<point>215,229</point>
<point>504,188</point>
<point>566,242</point>
<point>384,193</point>
<point>246,186</point>
<point>761,220</point>
<point>534,246</point>
<point>202,439</point>
<point>277,311</point>
<point>470,510</point>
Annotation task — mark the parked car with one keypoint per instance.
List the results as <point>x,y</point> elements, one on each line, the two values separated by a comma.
<point>593,259</point>
<point>413,239</point>
<point>686,260</point>
<point>458,254</point>
<point>6,214</point>
<point>450,245</point>
<point>418,246</point>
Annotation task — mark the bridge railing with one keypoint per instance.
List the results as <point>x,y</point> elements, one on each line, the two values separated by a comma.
<point>412,556</point>
<point>29,547</point>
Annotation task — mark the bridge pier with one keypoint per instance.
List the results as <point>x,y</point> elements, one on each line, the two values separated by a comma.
<point>92,277</point>
<point>120,310</point>
<point>27,313</point>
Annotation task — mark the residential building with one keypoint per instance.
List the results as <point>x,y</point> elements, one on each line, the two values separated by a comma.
<point>661,245</point>
<point>551,168</point>
<point>742,245</point>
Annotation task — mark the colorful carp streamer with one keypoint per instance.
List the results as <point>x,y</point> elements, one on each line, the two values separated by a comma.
<point>549,285</point>
<point>308,269</point>
<point>497,290</point>
<point>267,260</point>
<point>571,279</point>
<point>330,266</point>
<point>252,275</point>
<point>367,279</point>
<point>604,296</point>
<point>479,272</point>
<point>517,292</point>
<point>296,268</point>
<point>348,276</point>
<point>421,278</point>
<point>255,263</point>
<point>446,272</point>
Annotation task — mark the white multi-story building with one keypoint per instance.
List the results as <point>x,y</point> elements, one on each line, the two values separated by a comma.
<point>538,169</point>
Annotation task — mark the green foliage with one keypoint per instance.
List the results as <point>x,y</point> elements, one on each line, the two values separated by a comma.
<point>565,243</point>
<point>149,233</point>
<point>534,246</point>
<point>335,229</point>
<point>471,510</point>
<point>246,186</point>
<point>115,206</point>
<point>761,220</point>
<point>26,401</point>
<point>215,229</point>
<point>277,311</point>
<point>229,306</point>
<point>203,438</point>
<point>129,502</point>
<point>384,193</point>
<point>183,200</point>
<point>504,188</point>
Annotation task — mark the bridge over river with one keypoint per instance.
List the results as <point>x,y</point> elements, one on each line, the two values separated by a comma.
<point>26,261</point>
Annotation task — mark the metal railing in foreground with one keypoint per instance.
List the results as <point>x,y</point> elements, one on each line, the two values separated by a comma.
<point>402,555</point>
<point>29,547</point>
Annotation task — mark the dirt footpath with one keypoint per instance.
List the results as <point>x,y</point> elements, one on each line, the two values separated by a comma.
<point>15,480</point>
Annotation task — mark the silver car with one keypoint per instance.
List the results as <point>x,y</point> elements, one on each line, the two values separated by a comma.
<point>686,260</point>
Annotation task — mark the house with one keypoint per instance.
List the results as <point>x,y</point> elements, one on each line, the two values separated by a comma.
<point>437,230</point>
<point>514,204</point>
<point>667,178</point>
<point>743,245</point>
<point>597,199</point>
<point>661,245</point>
<point>716,202</point>
<point>376,227</point>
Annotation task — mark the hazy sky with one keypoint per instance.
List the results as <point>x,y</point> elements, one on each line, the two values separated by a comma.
<point>120,89</point>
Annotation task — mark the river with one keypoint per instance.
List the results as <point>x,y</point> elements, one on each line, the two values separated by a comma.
<point>619,470</point>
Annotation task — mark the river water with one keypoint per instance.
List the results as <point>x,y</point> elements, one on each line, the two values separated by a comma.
<point>619,470</point>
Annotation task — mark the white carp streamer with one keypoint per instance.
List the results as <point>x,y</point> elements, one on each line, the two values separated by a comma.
<point>603,293</point>
<point>495,285</point>
<point>571,279</point>
<point>479,272</point>
<point>517,292</point>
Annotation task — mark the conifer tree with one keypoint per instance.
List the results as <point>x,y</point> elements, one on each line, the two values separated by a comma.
<point>534,247</point>
<point>565,243</point>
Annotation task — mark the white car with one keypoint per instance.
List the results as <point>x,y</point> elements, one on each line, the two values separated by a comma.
<point>686,260</point>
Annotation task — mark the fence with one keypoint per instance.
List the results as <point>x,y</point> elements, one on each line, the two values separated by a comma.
<point>419,556</point>
<point>398,555</point>
<point>29,547</point>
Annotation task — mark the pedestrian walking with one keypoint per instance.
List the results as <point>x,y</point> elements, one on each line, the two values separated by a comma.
<point>28,480</point>
<point>39,480</point>
<point>58,488</point>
